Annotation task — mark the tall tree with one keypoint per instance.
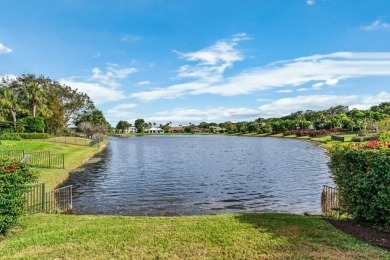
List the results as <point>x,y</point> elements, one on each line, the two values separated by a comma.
<point>9,101</point>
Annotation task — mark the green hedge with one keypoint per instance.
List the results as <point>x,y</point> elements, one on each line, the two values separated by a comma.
<point>362,175</point>
<point>14,180</point>
<point>34,135</point>
<point>7,136</point>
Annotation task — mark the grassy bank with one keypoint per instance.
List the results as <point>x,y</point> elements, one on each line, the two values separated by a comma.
<point>74,157</point>
<point>241,236</point>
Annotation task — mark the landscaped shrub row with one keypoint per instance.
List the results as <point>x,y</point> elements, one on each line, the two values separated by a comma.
<point>34,135</point>
<point>312,133</point>
<point>364,138</point>
<point>20,136</point>
<point>14,180</point>
<point>7,136</point>
<point>362,175</point>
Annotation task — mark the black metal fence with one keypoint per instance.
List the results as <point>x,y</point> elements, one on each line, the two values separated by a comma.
<point>36,159</point>
<point>75,140</point>
<point>337,138</point>
<point>330,203</point>
<point>40,201</point>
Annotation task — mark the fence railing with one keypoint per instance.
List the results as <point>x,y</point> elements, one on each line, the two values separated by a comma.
<point>36,159</point>
<point>330,203</point>
<point>337,138</point>
<point>56,201</point>
<point>75,140</point>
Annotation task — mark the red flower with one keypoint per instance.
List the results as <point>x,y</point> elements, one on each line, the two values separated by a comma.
<point>29,175</point>
<point>10,168</point>
<point>373,143</point>
<point>388,145</point>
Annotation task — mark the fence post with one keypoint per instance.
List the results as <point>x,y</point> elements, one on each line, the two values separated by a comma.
<point>43,197</point>
<point>49,160</point>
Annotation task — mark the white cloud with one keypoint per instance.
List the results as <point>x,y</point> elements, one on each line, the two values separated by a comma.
<point>318,70</point>
<point>4,49</point>
<point>131,38</point>
<point>286,106</point>
<point>310,2</point>
<point>98,93</point>
<point>284,91</point>
<point>184,116</point>
<point>112,113</point>
<point>125,106</point>
<point>213,60</point>
<point>369,101</point>
<point>141,83</point>
<point>110,77</point>
<point>376,25</point>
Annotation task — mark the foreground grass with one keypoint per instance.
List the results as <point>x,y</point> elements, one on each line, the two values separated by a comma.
<point>75,156</point>
<point>241,236</point>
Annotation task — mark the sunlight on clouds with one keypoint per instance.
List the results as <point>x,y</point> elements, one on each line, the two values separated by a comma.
<point>284,91</point>
<point>4,49</point>
<point>310,2</point>
<point>213,60</point>
<point>96,92</point>
<point>125,106</point>
<point>197,115</point>
<point>318,70</point>
<point>376,25</point>
<point>111,76</point>
<point>285,106</point>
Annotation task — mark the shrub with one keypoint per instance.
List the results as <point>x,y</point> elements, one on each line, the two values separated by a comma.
<point>33,124</point>
<point>14,137</point>
<point>14,180</point>
<point>34,135</point>
<point>362,175</point>
<point>357,139</point>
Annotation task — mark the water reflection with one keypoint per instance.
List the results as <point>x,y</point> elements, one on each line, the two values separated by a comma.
<point>191,175</point>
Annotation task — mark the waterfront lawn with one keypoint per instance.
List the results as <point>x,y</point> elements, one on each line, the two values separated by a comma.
<point>75,156</point>
<point>240,236</point>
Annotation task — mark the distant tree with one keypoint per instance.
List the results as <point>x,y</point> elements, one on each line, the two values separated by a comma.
<point>139,124</point>
<point>253,127</point>
<point>122,126</point>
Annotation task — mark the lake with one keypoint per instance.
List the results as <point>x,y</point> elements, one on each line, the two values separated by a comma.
<point>201,174</point>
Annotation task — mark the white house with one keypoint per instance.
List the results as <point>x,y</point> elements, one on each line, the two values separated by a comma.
<point>154,130</point>
<point>131,129</point>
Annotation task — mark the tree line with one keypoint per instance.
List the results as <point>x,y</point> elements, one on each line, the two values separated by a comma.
<point>340,117</point>
<point>39,104</point>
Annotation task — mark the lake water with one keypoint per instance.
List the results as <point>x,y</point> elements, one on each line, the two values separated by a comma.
<point>201,174</point>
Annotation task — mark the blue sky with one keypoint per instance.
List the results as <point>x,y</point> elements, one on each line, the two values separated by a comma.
<point>201,60</point>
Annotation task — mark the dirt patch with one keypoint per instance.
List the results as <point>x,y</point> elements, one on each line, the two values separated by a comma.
<point>364,231</point>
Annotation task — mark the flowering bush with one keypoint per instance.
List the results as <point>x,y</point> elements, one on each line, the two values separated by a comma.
<point>312,133</point>
<point>14,180</point>
<point>361,172</point>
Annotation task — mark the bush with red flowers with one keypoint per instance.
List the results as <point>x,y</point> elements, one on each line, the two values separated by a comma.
<point>14,180</point>
<point>361,172</point>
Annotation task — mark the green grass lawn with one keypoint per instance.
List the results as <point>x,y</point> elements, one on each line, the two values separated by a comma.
<point>240,236</point>
<point>74,157</point>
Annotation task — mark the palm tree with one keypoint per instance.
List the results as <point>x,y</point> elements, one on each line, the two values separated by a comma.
<point>9,101</point>
<point>33,92</point>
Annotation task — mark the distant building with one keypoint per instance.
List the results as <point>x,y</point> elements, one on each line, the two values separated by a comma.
<point>154,130</point>
<point>199,130</point>
<point>217,129</point>
<point>176,129</point>
<point>131,129</point>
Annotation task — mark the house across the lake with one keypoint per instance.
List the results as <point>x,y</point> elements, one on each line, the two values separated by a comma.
<point>131,129</point>
<point>154,130</point>
<point>176,129</point>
